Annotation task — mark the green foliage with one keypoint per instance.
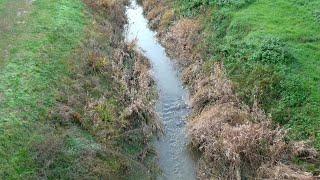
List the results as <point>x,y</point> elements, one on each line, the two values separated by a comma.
<point>220,22</point>
<point>272,51</point>
<point>194,4</point>
<point>236,3</point>
<point>317,15</point>
<point>193,7</point>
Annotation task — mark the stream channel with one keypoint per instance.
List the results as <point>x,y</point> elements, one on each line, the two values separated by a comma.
<point>175,160</point>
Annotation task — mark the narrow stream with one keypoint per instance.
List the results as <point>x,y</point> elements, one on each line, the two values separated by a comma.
<point>174,157</point>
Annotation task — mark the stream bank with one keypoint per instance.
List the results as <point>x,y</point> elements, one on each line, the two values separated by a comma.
<point>76,99</point>
<point>236,140</point>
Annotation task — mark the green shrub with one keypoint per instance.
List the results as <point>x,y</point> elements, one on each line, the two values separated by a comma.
<point>191,7</point>
<point>293,96</point>
<point>272,51</point>
<point>236,3</point>
<point>260,83</point>
<point>220,23</point>
<point>195,4</point>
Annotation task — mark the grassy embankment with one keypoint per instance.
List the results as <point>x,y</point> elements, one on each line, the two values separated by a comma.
<point>259,47</point>
<point>64,111</point>
<point>271,50</point>
<point>37,49</point>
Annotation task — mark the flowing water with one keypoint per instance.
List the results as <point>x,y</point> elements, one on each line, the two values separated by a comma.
<point>174,158</point>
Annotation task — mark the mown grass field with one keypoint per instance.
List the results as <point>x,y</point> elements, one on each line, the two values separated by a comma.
<point>271,50</point>
<point>35,41</point>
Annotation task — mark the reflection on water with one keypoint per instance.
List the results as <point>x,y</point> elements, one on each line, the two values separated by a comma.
<point>174,158</point>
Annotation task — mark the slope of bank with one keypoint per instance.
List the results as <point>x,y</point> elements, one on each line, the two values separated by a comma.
<point>75,100</point>
<point>271,53</point>
<point>250,66</point>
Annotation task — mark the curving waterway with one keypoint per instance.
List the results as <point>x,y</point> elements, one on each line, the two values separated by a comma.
<point>174,158</point>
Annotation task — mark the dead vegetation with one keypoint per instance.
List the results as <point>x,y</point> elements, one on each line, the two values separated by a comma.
<point>215,89</point>
<point>236,141</point>
<point>282,171</point>
<point>180,37</point>
<point>117,9</point>
<point>183,37</point>
<point>158,13</point>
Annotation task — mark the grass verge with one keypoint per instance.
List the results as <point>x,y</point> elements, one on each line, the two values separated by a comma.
<point>40,42</point>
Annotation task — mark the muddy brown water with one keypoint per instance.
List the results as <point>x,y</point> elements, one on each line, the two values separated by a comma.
<point>175,160</point>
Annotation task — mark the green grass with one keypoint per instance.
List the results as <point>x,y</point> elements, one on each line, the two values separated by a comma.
<point>29,76</point>
<point>235,33</point>
<point>295,24</point>
<point>52,97</point>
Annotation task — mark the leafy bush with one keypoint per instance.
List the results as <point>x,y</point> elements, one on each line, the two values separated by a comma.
<point>191,7</point>
<point>272,51</point>
<point>221,22</point>
<point>293,96</point>
<point>194,4</point>
<point>236,3</point>
<point>261,84</point>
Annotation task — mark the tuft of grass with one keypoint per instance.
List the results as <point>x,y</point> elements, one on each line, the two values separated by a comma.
<point>167,19</point>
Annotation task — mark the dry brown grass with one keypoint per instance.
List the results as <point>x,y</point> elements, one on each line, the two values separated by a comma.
<point>282,171</point>
<point>148,5</point>
<point>116,8</point>
<point>190,73</point>
<point>131,107</point>
<point>155,12</point>
<point>98,62</point>
<point>167,19</point>
<point>215,89</point>
<point>236,141</point>
<point>182,39</point>
<point>159,13</point>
